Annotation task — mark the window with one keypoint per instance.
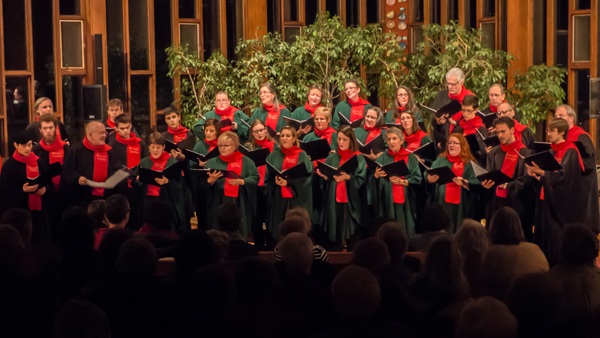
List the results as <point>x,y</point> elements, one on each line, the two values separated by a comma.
<point>163,38</point>
<point>452,10</point>
<point>489,8</point>
<point>332,6</point>
<point>352,13</point>
<point>489,34</point>
<point>539,31</point>
<point>43,51</point>
<point>581,38</point>
<point>211,27</point>
<point>188,35</point>
<point>71,43</point>
<point>311,9</point>
<point>138,34</point>
<point>15,36</point>
<point>235,26</point>
<point>435,12</point>
<point>291,10</point>
<point>187,9</point>
<point>373,12</point>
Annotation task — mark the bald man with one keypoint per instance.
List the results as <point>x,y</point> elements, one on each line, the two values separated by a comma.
<point>91,160</point>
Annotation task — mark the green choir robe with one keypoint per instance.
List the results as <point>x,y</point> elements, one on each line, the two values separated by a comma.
<point>201,189</point>
<point>260,114</point>
<point>346,109</point>
<point>301,114</point>
<point>246,200</point>
<point>457,212</point>
<point>362,134</point>
<point>335,213</point>
<point>383,195</point>
<point>301,188</point>
<point>238,117</point>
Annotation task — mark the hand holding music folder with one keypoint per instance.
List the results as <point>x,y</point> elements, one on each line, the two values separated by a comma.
<point>226,123</point>
<point>348,167</point>
<point>345,121</point>
<point>197,157</point>
<point>148,176</point>
<point>544,160</point>
<point>497,176</point>
<point>55,169</point>
<point>297,124</point>
<point>297,171</point>
<point>398,169</point>
<point>450,109</point>
<point>488,119</point>
<point>377,145</point>
<point>111,182</point>
<point>316,150</point>
<point>446,175</point>
<point>170,146</point>
<point>258,156</point>
<point>490,141</point>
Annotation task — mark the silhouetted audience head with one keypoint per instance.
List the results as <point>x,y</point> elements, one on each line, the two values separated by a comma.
<point>194,250</point>
<point>371,254</point>
<point>117,209</point>
<point>158,215</point>
<point>293,224</point>
<point>229,217</point>
<point>505,227</point>
<point>578,245</point>
<point>79,319</point>
<point>20,219</point>
<point>96,212</point>
<point>296,251</point>
<point>394,236</point>
<point>10,248</point>
<point>471,237</point>
<point>434,218</point>
<point>356,293</point>
<point>486,317</point>
<point>221,240</point>
<point>108,250</point>
<point>300,212</point>
<point>137,260</point>
<point>211,290</point>
<point>254,278</point>
<point>76,231</point>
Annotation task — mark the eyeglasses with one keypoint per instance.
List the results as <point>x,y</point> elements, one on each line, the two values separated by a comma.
<point>502,112</point>
<point>454,143</point>
<point>403,95</point>
<point>468,111</point>
<point>350,88</point>
<point>265,93</point>
<point>222,101</point>
<point>452,84</point>
<point>259,131</point>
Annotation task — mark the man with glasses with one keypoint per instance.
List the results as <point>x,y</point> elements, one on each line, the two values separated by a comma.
<point>496,95</point>
<point>225,111</point>
<point>522,132</point>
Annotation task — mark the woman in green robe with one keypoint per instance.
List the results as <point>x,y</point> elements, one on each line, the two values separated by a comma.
<point>394,196</point>
<point>404,104</point>
<point>169,190</point>
<point>287,194</point>
<point>240,191</point>
<point>353,108</point>
<point>271,111</point>
<point>224,111</point>
<point>345,194</point>
<point>455,197</point>
<point>315,94</point>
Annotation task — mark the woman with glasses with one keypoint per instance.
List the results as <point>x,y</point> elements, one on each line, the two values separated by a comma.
<point>271,111</point>
<point>354,108</point>
<point>315,95</point>
<point>286,194</point>
<point>404,104</point>
<point>455,197</point>
<point>373,125</point>
<point>224,111</point>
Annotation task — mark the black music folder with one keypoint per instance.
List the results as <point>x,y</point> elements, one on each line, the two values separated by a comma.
<point>297,124</point>
<point>196,157</point>
<point>450,109</point>
<point>345,121</point>
<point>427,151</point>
<point>348,167</point>
<point>297,171</point>
<point>393,169</point>
<point>258,156</point>
<point>497,176</point>
<point>377,145</point>
<point>147,176</point>
<point>55,169</point>
<point>316,150</point>
<point>445,173</point>
<point>545,160</point>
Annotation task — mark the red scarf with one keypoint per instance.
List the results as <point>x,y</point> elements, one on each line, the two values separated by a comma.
<point>509,164</point>
<point>264,143</point>
<point>575,132</point>
<point>518,130</point>
<point>272,116</point>
<point>111,123</point>
<point>373,133</point>
<point>495,109</point>
<point>100,164</point>
<point>398,190</point>
<point>413,142</point>
<point>234,163</point>
<point>460,97</point>
<point>179,134</point>
<point>310,109</point>
<point>453,190</point>
<point>212,144</point>
<point>134,149</point>
<point>326,134</point>
<point>56,153</point>
<point>470,127</point>
<point>226,114</point>
<point>32,171</point>
<point>290,160</point>
<point>358,108</point>
<point>341,195</point>
<point>559,152</point>
<point>158,164</point>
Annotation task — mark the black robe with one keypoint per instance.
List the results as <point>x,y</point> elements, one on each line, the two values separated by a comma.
<point>79,161</point>
<point>189,144</point>
<point>440,131</point>
<point>481,154</point>
<point>112,135</point>
<point>34,129</point>
<point>120,151</point>
<point>591,180</point>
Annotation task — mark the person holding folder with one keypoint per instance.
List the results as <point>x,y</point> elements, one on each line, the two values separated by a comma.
<point>564,194</point>
<point>315,95</point>
<point>177,133</point>
<point>233,178</point>
<point>414,137</point>
<point>170,190</point>
<point>231,118</point>
<point>345,194</point>
<point>522,132</point>
<point>394,195</point>
<point>354,108</point>
<point>454,195</point>
<point>285,194</point>
<point>271,111</point>
<point>404,104</point>
<point>372,126</point>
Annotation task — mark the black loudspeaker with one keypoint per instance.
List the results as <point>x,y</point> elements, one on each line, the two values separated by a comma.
<point>594,98</point>
<point>94,103</point>
<point>98,59</point>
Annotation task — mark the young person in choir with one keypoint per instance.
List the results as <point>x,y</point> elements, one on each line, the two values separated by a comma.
<point>177,133</point>
<point>168,190</point>
<point>224,111</point>
<point>472,124</point>
<point>522,132</point>
<point>564,194</point>
<point>395,198</point>
<point>519,193</point>
<point>354,108</point>
<point>404,104</point>
<point>345,194</point>
<point>271,111</point>
<point>240,191</point>
<point>259,139</point>
<point>287,194</point>
<point>315,95</point>
<point>414,137</point>
<point>17,192</point>
<point>50,150</point>
<point>44,106</point>
<point>372,126</point>
<point>91,160</point>
<point>114,109</point>
<point>455,197</point>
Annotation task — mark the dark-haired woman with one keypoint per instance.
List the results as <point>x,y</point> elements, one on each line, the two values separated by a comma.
<point>404,104</point>
<point>314,97</point>
<point>455,197</point>
<point>271,111</point>
<point>372,126</point>
<point>354,108</point>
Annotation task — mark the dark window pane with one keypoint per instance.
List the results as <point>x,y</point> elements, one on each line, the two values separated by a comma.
<point>69,7</point>
<point>73,108</point>
<point>188,35</point>
<point>138,34</point>
<point>72,52</point>
<point>436,12</point>
<point>117,85</point>
<point>352,13</point>
<point>471,13</point>
<point>43,51</point>
<point>452,10</point>
<point>311,9</point>
<point>418,11</point>
<point>17,106</point>
<point>582,97</point>
<point>489,8</point>
<point>489,34</point>
<point>332,7</point>
<point>15,40</point>
<point>273,16</point>
<point>210,12</point>
<point>417,37</point>
<point>162,40</point>
<point>140,104</point>
<point>290,10</point>
<point>562,14</point>
<point>2,153</point>
<point>187,8</point>
<point>584,4</point>
<point>235,29</point>
<point>581,38</point>
<point>373,12</point>
<point>539,31</point>
<point>291,33</point>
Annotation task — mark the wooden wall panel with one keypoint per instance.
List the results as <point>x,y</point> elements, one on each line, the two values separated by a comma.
<point>95,23</point>
<point>256,18</point>
<point>516,26</point>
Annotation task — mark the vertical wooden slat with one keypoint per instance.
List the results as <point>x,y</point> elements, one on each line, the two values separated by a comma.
<point>426,12</point>
<point>444,10</point>
<point>223,27</point>
<point>175,41</point>
<point>550,31</point>
<point>152,62</point>
<point>30,68</point>
<point>3,104</point>
<point>461,12</point>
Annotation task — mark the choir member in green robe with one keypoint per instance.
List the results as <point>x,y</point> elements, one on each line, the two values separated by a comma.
<point>170,190</point>
<point>240,191</point>
<point>315,94</point>
<point>287,194</point>
<point>455,197</point>
<point>271,111</point>
<point>395,198</point>
<point>224,111</point>
<point>372,126</point>
<point>354,108</point>
<point>404,104</point>
<point>345,194</point>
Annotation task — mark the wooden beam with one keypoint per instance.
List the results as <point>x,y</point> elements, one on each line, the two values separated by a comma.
<point>550,29</point>
<point>515,23</point>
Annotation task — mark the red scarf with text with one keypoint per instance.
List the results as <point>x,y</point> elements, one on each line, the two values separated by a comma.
<point>158,164</point>
<point>234,163</point>
<point>358,108</point>
<point>56,153</point>
<point>290,160</point>
<point>372,133</point>
<point>413,142</point>
<point>341,195</point>
<point>398,190</point>
<point>212,144</point>
<point>272,116</point>
<point>509,164</point>
<point>264,143</point>
<point>100,164</point>
<point>453,190</point>
<point>32,171</point>
<point>470,127</point>
<point>134,149</point>
<point>326,134</point>
<point>559,152</point>
<point>310,109</point>
<point>495,109</point>
<point>179,134</point>
<point>226,114</point>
